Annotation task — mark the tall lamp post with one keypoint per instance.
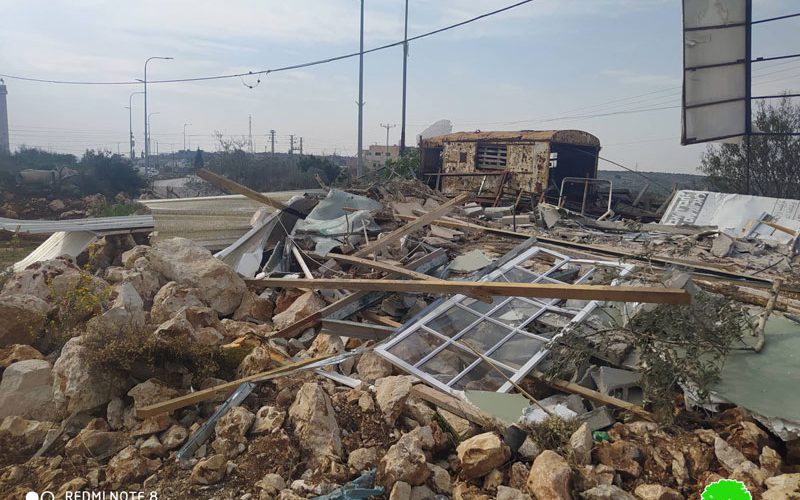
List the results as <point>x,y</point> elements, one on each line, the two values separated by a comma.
<point>146,117</point>
<point>147,141</point>
<point>360,161</point>
<point>184,134</point>
<point>130,122</point>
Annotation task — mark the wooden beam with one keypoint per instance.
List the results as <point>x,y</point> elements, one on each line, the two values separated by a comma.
<point>223,389</point>
<point>390,268</point>
<point>417,223</point>
<point>381,320</point>
<point>656,295</point>
<point>234,187</point>
<point>597,397</point>
<point>456,406</point>
<point>356,330</point>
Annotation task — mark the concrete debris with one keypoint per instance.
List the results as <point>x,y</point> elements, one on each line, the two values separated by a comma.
<point>343,385</point>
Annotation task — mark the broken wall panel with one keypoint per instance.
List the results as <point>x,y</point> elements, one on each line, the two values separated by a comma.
<point>512,331</point>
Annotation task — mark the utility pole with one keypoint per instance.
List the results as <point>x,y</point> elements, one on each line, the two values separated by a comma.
<point>291,144</point>
<point>250,132</point>
<point>130,122</point>
<point>146,117</point>
<point>184,135</point>
<point>301,145</point>
<point>387,127</point>
<point>272,140</point>
<point>405,65</point>
<point>360,163</point>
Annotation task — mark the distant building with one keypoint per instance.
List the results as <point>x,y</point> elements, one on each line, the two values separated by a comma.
<point>5,146</point>
<point>376,156</point>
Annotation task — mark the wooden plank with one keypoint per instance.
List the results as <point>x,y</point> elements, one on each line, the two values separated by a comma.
<point>417,223</point>
<point>223,389</point>
<point>655,295</point>
<point>455,406</point>
<point>598,397</point>
<point>381,320</point>
<point>390,268</point>
<point>234,187</point>
<point>379,265</point>
<point>356,330</point>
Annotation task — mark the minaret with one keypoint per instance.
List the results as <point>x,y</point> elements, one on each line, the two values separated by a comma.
<point>4,144</point>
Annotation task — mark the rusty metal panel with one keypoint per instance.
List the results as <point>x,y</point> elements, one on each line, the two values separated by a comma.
<point>577,137</point>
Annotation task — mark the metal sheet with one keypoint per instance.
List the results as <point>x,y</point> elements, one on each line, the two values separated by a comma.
<point>61,243</point>
<point>93,224</point>
<point>733,214</point>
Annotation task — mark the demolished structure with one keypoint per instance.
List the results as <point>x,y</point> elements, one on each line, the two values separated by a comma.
<point>385,340</point>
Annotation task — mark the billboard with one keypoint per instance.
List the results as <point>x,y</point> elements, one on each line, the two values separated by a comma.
<point>716,70</point>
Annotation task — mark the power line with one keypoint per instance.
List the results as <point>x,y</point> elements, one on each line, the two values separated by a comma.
<point>280,69</point>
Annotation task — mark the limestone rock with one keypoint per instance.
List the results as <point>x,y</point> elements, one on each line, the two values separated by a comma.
<point>174,437</point>
<point>770,461</point>
<point>590,476</point>
<point>77,387</point>
<point>480,454</point>
<point>518,475</point>
<point>186,262</point>
<point>462,427</point>
<point>152,425</point>
<point>269,419</point>
<point>622,456</point>
<point>96,443</point>
<point>400,491</point>
<point>115,414</point>
<point>607,492</point>
<point>728,456</point>
<point>126,312</point>
<point>581,444</point>
<point>305,305</point>
<point>231,430</point>
<point>422,493</point>
<point>170,298</point>
<point>26,390</point>
<point>254,307</point>
<point>32,432</point>
<point>492,480</point>
<point>257,361</point>
<point>210,470</point>
<point>506,493</point>
<point>151,391</point>
<point>271,484</point>
<point>550,477</point>
<point>152,447</point>
<point>315,423</point>
<point>440,480</point>
<point>656,492</point>
<point>362,459</point>
<point>404,461</point>
<point>391,394</point>
<point>17,352</point>
<point>129,466</point>
<point>372,367</point>
<point>23,317</point>
<point>784,481</point>
<point>145,281</point>
<point>42,279</point>
<point>129,257</point>
<point>192,325</point>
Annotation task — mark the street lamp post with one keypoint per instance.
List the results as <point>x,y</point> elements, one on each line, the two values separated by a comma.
<point>147,141</point>
<point>146,129</point>
<point>130,121</point>
<point>184,134</point>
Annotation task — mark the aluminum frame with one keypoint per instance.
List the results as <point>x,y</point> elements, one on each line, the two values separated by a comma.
<point>505,332</point>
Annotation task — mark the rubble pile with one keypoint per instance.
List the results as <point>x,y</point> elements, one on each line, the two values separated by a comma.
<point>165,370</point>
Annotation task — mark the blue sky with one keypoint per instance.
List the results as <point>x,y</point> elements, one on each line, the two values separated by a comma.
<point>547,64</point>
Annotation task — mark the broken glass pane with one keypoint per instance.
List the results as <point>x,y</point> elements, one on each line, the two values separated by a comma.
<point>448,363</point>
<point>481,378</point>
<point>484,336</point>
<point>517,350</point>
<point>516,312</point>
<point>416,346</point>
<point>482,307</point>
<point>452,321</point>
